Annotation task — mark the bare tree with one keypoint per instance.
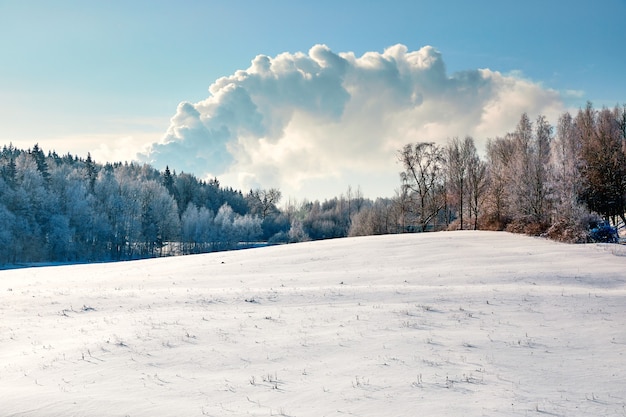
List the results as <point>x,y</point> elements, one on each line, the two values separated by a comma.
<point>540,161</point>
<point>527,174</point>
<point>458,155</point>
<point>376,219</point>
<point>604,162</point>
<point>565,170</point>
<point>519,174</point>
<point>423,180</point>
<point>263,202</point>
<point>402,206</point>
<point>499,155</point>
<point>477,184</point>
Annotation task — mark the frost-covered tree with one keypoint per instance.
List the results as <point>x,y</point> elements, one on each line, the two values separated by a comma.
<point>7,224</point>
<point>225,236</point>
<point>477,185</point>
<point>197,229</point>
<point>263,203</point>
<point>160,223</point>
<point>520,171</point>
<point>540,204</point>
<point>569,217</point>
<point>33,205</point>
<point>60,239</point>
<point>459,154</point>
<point>297,232</point>
<point>565,170</point>
<point>381,217</point>
<point>40,160</point>
<point>119,198</point>
<point>247,228</point>
<point>519,167</point>
<point>423,180</point>
<point>64,208</point>
<point>500,152</point>
<point>603,161</point>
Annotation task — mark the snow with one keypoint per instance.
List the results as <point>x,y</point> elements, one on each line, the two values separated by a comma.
<point>437,324</point>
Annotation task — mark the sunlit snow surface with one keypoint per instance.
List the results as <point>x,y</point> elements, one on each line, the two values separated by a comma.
<point>443,324</point>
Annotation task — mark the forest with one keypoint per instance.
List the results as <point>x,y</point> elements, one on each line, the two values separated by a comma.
<point>556,181</point>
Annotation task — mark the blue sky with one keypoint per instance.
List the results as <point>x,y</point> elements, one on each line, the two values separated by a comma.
<point>108,77</point>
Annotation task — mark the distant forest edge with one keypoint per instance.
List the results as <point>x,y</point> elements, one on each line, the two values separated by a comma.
<point>540,180</point>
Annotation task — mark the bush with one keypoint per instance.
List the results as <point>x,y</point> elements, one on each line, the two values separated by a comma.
<point>603,232</point>
<point>527,227</point>
<point>492,222</point>
<point>279,238</point>
<point>568,232</point>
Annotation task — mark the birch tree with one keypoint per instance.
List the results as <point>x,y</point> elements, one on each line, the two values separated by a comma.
<point>565,154</point>
<point>459,154</point>
<point>423,180</point>
<point>500,153</point>
<point>477,184</point>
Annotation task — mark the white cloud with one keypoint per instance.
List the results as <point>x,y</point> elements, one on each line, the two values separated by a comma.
<point>314,123</point>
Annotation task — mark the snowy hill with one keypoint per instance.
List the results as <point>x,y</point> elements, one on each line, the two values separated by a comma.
<point>442,324</point>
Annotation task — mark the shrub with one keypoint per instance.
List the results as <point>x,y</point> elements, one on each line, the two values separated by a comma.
<point>568,232</point>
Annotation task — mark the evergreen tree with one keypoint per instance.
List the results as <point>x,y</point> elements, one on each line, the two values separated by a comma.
<point>90,168</point>
<point>40,160</point>
<point>168,180</point>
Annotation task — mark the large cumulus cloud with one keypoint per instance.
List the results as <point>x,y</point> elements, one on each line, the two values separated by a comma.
<point>314,123</point>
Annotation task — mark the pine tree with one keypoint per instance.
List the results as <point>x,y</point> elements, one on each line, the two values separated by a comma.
<point>168,180</point>
<point>40,159</point>
<point>91,172</point>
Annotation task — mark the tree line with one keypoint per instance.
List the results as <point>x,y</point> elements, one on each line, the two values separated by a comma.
<point>557,181</point>
<point>68,209</point>
<point>537,179</point>
<point>65,209</point>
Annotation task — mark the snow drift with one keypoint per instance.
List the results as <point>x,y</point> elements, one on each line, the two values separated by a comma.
<point>447,324</point>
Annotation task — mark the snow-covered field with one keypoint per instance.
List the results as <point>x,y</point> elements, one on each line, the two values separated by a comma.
<point>441,324</point>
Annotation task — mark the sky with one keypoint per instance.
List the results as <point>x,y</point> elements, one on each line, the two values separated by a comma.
<point>307,97</point>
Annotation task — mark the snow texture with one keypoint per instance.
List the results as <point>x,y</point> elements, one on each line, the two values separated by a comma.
<point>441,324</point>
